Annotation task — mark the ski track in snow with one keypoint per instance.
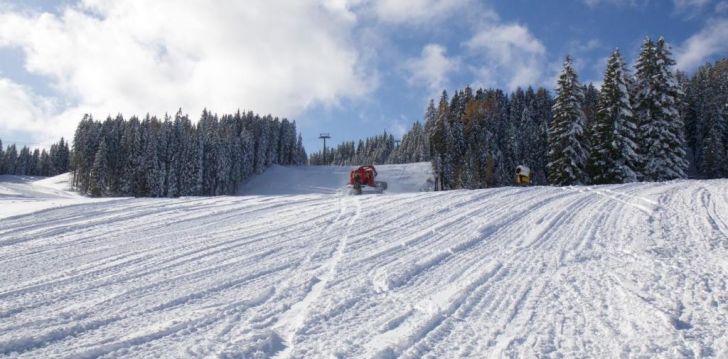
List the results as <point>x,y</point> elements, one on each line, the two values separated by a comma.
<point>633,270</point>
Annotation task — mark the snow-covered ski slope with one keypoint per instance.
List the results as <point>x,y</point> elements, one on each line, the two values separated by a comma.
<point>407,178</point>
<point>26,194</point>
<point>637,270</point>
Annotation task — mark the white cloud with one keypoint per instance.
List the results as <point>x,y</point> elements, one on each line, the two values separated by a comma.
<point>22,111</point>
<point>510,51</point>
<point>403,11</point>
<point>721,7</point>
<point>432,67</point>
<point>711,40</point>
<point>690,5</point>
<point>577,46</point>
<point>398,128</point>
<point>631,3</point>
<point>600,66</point>
<point>136,56</point>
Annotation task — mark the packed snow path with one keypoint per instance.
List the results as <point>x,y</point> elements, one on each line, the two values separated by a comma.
<point>609,271</point>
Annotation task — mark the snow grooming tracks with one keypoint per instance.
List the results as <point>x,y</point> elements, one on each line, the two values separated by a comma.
<point>428,314</point>
<point>633,270</point>
<point>292,320</point>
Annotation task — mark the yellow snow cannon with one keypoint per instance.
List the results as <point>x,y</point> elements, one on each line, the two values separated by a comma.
<point>523,175</point>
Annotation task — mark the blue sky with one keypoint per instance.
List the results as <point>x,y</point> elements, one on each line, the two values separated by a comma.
<point>353,68</point>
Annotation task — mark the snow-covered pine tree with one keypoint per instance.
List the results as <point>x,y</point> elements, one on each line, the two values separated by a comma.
<point>591,103</point>
<point>11,157</point>
<point>98,178</point>
<point>539,148</point>
<point>64,157</point>
<point>514,146</point>
<point>46,164</point>
<point>301,156</point>
<point>152,166</point>
<point>274,125</point>
<point>706,120</point>
<point>224,154</point>
<point>175,148</point>
<point>192,175</point>
<point>112,132</point>
<point>35,168</point>
<point>567,155</point>
<point>23,163</point>
<point>613,157</point>
<point>2,158</point>
<point>53,158</point>
<point>261,144</point>
<point>438,144</point>
<point>85,144</point>
<point>697,96</point>
<point>661,143</point>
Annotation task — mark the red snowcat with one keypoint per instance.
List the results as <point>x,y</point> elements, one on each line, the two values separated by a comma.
<point>364,176</point>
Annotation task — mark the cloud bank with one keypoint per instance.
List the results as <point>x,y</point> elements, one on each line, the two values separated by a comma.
<point>137,56</point>
<point>711,40</point>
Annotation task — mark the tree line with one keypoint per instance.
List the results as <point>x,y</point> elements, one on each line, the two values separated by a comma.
<point>706,120</point>
<point>474,139</point>
<point>376,149</point>
<point>36,162</point>
<point>414,147</point>
<point>655,125</point>
<point>172,157</point>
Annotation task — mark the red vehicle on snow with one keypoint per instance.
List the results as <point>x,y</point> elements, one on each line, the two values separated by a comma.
<point>364,176</point>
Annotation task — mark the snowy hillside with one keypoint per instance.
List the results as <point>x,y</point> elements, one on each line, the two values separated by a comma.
<point>26,194</point>
<point>637,270</point>
<point>278,180</point>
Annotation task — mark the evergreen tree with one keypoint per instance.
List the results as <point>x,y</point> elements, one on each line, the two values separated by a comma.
<point>613,158</point>
<point>300,152</point>
<point>63,161</point>
<point>567,155</point>
<point>46,165</point>
<point>98,177</point>
<point>438,144</point>
<point>23,164</point>
<point>706,121</point>
<point>11,158</point>
<point>661,143</point>
<point>35,169</point>
<point>590,107</point>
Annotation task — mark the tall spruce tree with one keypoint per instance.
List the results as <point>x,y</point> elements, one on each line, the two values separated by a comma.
<point>661,143</point>
<point>706,120</point>
<point>613,157</point>
<point>438,144</point>
<point>11,157</point>
<point>98,178</point>
<point>567,155</point>
<point>2,158</point>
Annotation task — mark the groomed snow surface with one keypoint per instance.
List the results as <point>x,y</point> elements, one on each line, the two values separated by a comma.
<point>297,268</point>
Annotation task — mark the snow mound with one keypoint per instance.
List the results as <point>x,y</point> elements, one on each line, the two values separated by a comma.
<point>279,180</point>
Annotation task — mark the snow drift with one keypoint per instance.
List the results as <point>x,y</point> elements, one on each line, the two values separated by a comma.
<point>635,270</point>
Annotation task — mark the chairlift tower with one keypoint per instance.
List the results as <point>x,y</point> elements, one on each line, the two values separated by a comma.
<point>324,136</point>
